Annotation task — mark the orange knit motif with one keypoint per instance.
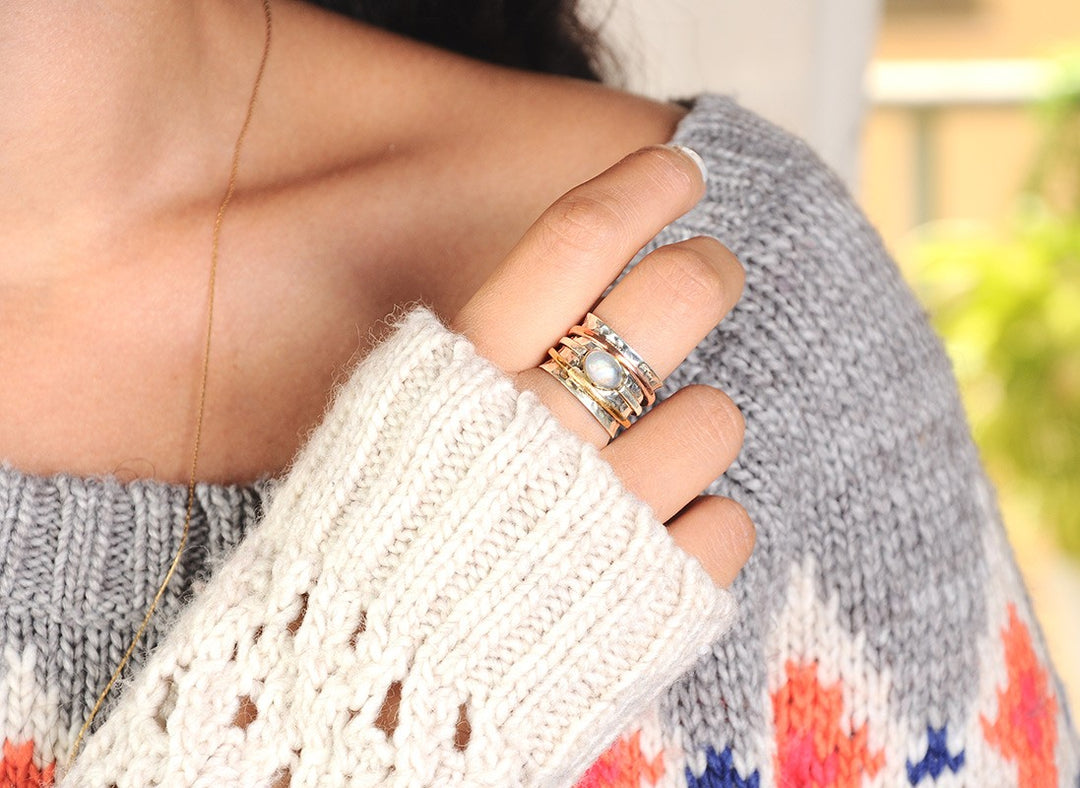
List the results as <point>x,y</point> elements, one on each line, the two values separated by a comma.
<point>812,750</point>
<point>623,765</point>
<point>17,770</point>
<point>1025,730</point>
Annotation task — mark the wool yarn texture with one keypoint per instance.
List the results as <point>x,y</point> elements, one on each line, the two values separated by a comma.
<point>443,531</point>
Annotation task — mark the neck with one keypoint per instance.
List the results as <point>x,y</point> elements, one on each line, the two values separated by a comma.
<point>118,107</point>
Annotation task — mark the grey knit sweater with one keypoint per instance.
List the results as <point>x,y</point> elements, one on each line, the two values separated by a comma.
<point>882,637</point>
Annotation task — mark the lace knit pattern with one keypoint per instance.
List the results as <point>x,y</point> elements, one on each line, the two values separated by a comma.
<point>882,637</point>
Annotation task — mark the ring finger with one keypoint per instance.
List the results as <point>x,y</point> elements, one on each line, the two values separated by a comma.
<point>662,308</point>
<point>678,448</point>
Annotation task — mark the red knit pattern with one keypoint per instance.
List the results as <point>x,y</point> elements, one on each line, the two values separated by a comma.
<point>812,749</point>
<point>1025,730</point>
<point>17,770</point>
<point>623,765</point>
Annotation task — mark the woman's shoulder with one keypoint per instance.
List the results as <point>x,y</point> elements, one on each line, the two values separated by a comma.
<point>356,90</point>
<point>350,92</point>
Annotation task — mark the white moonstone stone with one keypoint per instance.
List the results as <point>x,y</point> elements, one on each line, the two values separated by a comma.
<point>602,369</point>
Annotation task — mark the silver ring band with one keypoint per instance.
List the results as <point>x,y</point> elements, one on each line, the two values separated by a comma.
<point>604,373</point>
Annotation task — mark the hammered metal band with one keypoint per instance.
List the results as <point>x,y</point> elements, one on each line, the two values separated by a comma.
<point>600,412</point>
<point>574,349</point>
<point>604,373</point>
<point>635,364</point>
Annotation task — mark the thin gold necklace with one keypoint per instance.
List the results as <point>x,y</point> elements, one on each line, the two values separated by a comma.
<point>233,171</point>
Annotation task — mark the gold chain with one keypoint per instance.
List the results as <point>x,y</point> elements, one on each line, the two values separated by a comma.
<point>234,170</point>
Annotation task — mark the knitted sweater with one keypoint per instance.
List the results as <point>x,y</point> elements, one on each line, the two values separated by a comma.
<point>442,536</point>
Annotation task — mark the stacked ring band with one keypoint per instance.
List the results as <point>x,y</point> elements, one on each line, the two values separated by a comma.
<point>606,375</point>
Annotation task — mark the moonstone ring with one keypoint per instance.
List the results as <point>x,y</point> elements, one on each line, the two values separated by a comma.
<point>606,375</point>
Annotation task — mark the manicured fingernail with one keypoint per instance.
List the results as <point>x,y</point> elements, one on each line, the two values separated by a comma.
<point>693,156</point>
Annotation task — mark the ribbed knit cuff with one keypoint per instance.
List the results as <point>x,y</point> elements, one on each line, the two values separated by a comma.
<point>441,533</point>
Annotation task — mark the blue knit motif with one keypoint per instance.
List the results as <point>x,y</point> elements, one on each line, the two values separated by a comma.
<point>937,758</point>
<point>721,773</point>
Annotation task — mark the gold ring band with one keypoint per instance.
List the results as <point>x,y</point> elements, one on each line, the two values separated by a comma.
<point>634,363</point>
<point>599,411</point>
<point>604,373</point>
<point>575,348</point>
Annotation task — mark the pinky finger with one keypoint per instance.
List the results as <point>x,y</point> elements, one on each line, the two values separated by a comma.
<point>718,532</point>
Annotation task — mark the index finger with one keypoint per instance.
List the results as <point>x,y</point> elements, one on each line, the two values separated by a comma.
<point>566,259</point>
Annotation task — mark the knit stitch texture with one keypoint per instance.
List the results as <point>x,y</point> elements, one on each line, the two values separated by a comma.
<point>882,635</point>
<point>443,531</point>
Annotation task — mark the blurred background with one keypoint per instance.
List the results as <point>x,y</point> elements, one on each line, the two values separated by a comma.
<point>956,124</point>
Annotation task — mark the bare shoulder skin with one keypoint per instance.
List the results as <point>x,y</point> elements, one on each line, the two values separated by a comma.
<point>377,170</point>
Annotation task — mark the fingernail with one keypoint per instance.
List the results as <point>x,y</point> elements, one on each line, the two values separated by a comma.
<point>694,157</point>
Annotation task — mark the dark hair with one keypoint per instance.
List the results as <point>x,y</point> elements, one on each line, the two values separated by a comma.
<point>537,35</point>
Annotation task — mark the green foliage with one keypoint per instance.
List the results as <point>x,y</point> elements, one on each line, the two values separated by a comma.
<point>1056,172</point>
<point>1008,307</point>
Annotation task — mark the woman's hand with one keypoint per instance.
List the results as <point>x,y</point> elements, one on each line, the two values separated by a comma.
<point>663,308</point>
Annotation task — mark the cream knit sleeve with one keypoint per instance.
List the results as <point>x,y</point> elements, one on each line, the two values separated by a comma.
<point>441,534</point>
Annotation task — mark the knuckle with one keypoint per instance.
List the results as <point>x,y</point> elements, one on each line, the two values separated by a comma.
<point>691,280</point>
<point>734,272</point>
<point>721,256</point>
<point>720,422</point>
<point>727,266</point>
<point>580,223</point>
<point>742,531</point>
<point>737,512</point>
<point>726,540</point>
